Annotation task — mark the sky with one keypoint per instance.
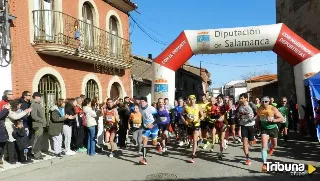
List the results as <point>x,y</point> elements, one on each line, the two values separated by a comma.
<point>164,20</point>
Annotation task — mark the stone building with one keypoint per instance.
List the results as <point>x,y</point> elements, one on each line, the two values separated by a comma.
<point>188,79</point>
<point>302,17</point>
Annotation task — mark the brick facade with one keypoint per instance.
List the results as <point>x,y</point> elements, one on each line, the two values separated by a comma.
<point>301,17</point>
<point>26,61</point>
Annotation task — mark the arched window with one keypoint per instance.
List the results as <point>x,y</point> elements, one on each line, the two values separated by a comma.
<point>87,16</point>
<point>92,89</point>
<point>114,36</point>
<point>50,89</point>
<point>115,91</point>
<point>43,16</point>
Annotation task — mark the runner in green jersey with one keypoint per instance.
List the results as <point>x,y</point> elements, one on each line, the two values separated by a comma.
<point>283,126</point>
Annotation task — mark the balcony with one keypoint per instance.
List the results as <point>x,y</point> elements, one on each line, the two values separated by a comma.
<point>58,34</point>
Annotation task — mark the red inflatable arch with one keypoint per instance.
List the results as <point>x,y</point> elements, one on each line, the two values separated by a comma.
<point>278,37</point>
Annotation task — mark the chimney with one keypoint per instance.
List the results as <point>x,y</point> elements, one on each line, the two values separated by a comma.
<point>150,56</point>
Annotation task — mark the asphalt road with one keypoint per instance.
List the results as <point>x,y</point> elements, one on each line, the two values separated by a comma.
<point>169,166</point>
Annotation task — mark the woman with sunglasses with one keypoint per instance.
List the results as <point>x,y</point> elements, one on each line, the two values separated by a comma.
<point>269,117</point>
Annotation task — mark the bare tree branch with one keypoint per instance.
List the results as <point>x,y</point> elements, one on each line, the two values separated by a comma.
<point>250,75</point>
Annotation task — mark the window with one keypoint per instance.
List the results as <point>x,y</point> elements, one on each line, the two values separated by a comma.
<point>114,39</point>
<point>87,17</point>
<point>115,91</point>
<point>92,89</point>
<point>50,89</point>
<point>43,19</point>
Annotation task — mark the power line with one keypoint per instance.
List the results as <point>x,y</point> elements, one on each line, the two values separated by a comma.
<point>150,28</point>
<point>242,66</point>
<point>145,32</point>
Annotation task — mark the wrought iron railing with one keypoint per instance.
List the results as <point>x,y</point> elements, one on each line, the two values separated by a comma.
<point>55,27</point>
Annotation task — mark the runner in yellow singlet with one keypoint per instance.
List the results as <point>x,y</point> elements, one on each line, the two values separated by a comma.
<point>194,114</point>
<point>203,123</point>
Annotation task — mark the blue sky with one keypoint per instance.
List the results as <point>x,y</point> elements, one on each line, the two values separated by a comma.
<point>165,19</point>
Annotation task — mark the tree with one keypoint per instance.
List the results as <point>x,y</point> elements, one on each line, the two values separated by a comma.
<point>250,75</point>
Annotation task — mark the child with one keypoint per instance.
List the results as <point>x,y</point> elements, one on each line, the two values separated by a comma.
<point>22,142</point>
<point>136,119</point>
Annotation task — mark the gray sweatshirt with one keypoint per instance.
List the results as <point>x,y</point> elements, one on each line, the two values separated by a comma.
<point>37,115</point>
<point>246,115</point>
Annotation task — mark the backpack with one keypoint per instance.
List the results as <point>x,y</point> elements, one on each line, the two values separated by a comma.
<point>254,108</point>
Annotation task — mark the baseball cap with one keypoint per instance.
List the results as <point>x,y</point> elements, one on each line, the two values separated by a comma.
<point>36,94</point>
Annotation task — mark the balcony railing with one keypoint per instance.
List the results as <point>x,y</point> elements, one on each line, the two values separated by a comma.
<point>57,28</point>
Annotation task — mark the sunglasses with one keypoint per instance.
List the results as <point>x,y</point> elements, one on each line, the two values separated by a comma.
<point>284,101</point>
<point>265,101</point>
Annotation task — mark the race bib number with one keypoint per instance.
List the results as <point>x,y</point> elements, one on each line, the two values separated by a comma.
<point>136,125</point>
<point>284,120</point>
<point>263,118</point>
<point>163,119</point>
<point>191,116</point>
<point>109,118</point>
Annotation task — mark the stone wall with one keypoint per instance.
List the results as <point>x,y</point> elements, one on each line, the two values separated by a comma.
<point>301,16</point>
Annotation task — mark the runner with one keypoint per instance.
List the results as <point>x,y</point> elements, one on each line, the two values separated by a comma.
<point>247,122</point>
<point>135,120</point>
<point>269,116</point>
<point>231,119</point>
<point>210,120</point>
<point>150,120</point>
<point>204,122</point>
<point>180,124</point>
<point>111,124</point>
<point>194,115</point>
<point>219,111</point>
<point>163,113</point>
<point>283,126</point>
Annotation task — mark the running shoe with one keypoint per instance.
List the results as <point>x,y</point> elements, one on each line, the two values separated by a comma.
<point>164,150</point>
<point>84,149</point>
<point>239,140</point>
<point>212,148</point>
<point>205,146</point>
<point>248,162</point>
<point>271,150</point>
<point>159,148</point>
<point>192,159</point>
<point>220,157</point>
<point>225,145</point>
<point>264,168</point>
<point>143,161</point>
<point>111,155</point>
<point>181,143</point>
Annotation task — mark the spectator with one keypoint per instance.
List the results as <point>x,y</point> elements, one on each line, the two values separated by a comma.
<point>7,96</point>
<point>99,127</point>
<point>57,117</point>
<point>22,142</point>
<point>38,123</point>
<point>78,128</point>
<point>25,104</point>
<point>14,114</point>
<point>4,111</point>
<point>91,123</point>
<point>67,126</point>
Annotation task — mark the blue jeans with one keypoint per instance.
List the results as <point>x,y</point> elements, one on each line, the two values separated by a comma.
<point>91,140</point>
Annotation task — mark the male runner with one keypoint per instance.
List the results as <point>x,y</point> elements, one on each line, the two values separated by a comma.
<point>283,126</point>
<point>204,123</point>
<point>219,112</point>
<point>163,113</point>
<point>180,124</point>
<point>210,123</point>
<point>247,122</point>
<point>194,115</point>
<point>150,120</point>
<point>111,124</point>
<point>269,117</point>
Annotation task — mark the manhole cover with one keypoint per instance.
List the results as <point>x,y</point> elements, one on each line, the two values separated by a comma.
<point>162,176</point>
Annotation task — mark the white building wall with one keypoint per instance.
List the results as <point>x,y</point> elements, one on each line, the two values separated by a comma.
<point>238,91</point>
<point>6,79</point>
<point>140,90</point>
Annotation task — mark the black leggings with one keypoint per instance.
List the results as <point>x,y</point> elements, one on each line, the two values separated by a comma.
<point>2,144</point>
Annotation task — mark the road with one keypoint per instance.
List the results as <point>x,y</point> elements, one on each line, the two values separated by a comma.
<point>165,167</point>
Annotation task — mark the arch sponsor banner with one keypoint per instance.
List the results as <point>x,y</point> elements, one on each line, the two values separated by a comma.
<point>277,37</point>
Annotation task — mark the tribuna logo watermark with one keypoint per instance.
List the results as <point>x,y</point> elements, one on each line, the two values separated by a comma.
<point>293,169</point>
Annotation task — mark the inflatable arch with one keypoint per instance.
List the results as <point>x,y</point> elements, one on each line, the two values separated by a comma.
<point>278,37</point>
